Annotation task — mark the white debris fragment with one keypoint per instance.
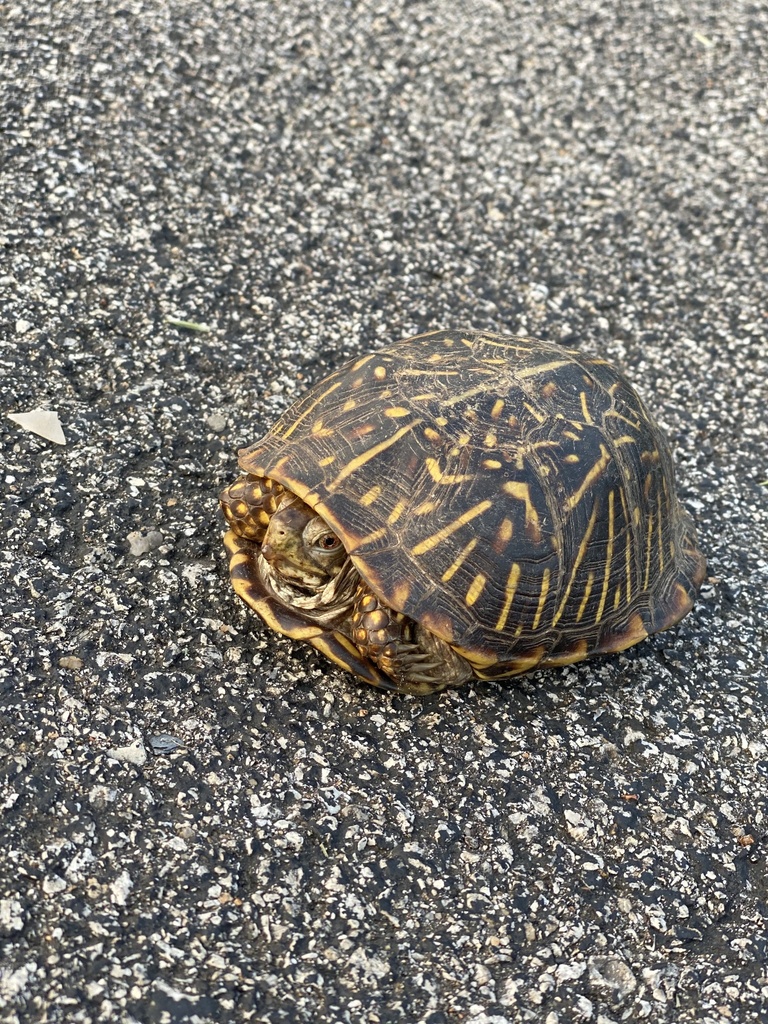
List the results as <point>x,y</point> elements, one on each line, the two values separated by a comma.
<point>216,422</point>
<point>569,972</point>
<point>120,888</point>
<point>141,545</point>
<point>43,422</point>
<point>11,916</point>
<point>100,795</point>
<point>133,754</point>
<point>72,662</point>
<point>14,983</point>
<point>53,884</point>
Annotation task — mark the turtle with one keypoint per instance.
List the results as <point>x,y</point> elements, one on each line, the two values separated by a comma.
<point>463,505</point>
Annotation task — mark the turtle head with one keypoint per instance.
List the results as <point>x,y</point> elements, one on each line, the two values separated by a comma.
<point>300,547</point>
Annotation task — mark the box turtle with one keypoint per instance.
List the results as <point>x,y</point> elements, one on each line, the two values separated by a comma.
<point>463,504</point>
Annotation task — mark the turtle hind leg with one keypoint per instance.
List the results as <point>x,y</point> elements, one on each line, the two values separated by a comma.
<point>249,503</point>
<point>415,660</point>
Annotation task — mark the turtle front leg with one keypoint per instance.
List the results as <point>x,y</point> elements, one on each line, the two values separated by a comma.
<point>415,660</point>
<point>249,503</point>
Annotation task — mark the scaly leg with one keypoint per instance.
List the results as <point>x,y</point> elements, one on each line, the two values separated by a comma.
<point>416,661</point>
<point>249,503</point>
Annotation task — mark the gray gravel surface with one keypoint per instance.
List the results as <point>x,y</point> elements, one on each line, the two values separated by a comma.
<point>205,822</point>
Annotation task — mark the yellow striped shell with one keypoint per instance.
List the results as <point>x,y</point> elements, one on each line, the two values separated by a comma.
<point>512,496</point>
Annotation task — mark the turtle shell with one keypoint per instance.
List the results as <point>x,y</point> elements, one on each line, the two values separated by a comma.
<point>512,496</point>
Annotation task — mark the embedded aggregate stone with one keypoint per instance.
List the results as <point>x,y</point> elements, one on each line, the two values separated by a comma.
<point>308,181</point>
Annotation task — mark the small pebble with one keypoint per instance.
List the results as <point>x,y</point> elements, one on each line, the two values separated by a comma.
<point>142,544</point>
<point>135,753</point>
<point>216,422</point>
<point>164,743</point>
<point>72,662</point>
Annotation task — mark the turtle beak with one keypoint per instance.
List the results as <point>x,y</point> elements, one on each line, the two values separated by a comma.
<point>275,556</point>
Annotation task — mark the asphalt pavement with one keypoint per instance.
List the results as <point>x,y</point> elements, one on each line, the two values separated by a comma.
<point>206,207</point>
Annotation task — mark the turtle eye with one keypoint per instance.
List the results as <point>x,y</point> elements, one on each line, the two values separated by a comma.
<point>329,542</point>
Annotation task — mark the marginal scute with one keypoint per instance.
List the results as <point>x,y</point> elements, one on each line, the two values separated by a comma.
<point>576,652</point>
<point>620,638</point>
<point>510,496</point>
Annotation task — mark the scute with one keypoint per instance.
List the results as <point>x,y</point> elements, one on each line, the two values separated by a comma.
<point>513,494</point>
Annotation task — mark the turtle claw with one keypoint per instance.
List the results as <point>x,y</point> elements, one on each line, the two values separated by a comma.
<point>414,669</point>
